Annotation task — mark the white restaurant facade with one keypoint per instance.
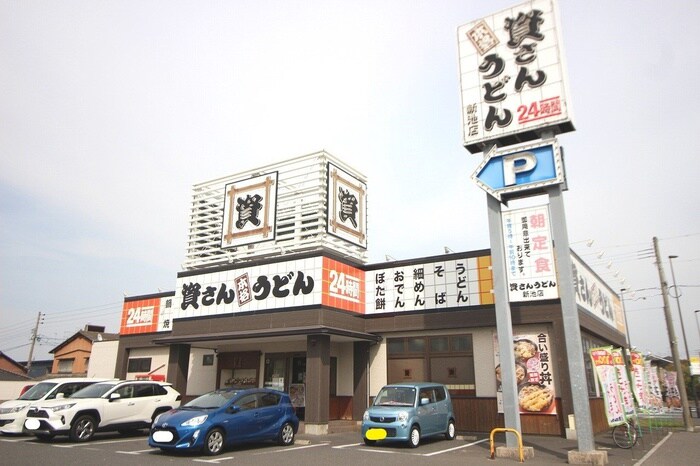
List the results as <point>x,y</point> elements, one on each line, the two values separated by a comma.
<point>275,291</point>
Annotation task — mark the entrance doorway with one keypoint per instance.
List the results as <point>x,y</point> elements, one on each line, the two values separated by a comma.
<point>286,372</point>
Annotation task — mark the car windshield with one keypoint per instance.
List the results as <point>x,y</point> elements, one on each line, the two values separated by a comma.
<point>396,396</point>
<point>93,391</point>
<point>38,391</point>
<point>211,400</point>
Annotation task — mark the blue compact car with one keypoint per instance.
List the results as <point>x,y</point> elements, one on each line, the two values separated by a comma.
<point>225,417</point>
<point>409,412</point>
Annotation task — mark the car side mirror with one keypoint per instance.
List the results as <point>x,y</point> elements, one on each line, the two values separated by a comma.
<point>233,409</point>
<point>114,397</point>
<point>60,396</point>
<point>424,401</point>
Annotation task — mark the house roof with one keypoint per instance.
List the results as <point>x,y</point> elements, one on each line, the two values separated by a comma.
<point>7,376</point>
<point>13,362</point>
<point>88,335</point>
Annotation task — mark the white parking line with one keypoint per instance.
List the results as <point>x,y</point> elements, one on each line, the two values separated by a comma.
<point>137,452</point>
<point>348,445</point>
<point>279,450</point>
<point>213,461</point>
<point>456,448</point>
<point>104,442</point>
<point>15,440</point>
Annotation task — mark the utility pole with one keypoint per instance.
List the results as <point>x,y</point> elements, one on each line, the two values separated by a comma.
<point>672,339</point>
<point>35,334</point>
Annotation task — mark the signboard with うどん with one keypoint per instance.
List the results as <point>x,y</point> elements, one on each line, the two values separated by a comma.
<point>279,285</point>
<point>432,285</point>
<point>513,76</point>
<point>530,267</point>
<point>593,295</point>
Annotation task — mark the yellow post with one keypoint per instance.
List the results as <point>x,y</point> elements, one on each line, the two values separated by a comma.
<point>517,434</point>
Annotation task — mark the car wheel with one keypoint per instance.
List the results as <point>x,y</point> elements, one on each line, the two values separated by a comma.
<point>369,443</point>
<point>83,428</point>
<point>214,442</point>
<point>450,432</point>
<point>286,435</point>
<point>414,437</point>
<point>44,437</point>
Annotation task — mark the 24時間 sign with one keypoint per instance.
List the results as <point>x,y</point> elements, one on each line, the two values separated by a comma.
<point>512,76</point>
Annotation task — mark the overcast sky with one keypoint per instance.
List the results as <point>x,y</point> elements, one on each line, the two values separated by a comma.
<point>111,110</point>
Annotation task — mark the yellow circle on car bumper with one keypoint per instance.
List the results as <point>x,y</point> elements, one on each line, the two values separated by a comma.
<point>376,434</point>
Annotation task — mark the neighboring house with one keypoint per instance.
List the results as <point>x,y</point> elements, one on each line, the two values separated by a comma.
<point>40,368</point>
<point>8,364</point>
<point>73,355</point>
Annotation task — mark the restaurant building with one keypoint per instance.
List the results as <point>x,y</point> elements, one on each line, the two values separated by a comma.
<point>276,291</point>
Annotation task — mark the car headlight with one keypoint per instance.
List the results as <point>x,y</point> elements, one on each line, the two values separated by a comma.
<point>61,407</point>
<point>16,409</point>
<point>155,420</point>
<point>195,421</point>
<point>365,417</point>
<point>403,416</point>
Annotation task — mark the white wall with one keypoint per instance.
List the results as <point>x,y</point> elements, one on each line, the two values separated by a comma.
<point>200,378</point>
<point>103,359</point>
<point>158,355</point>
<point>344,353</point>
<point>377,367</point>
<point>9,390</point>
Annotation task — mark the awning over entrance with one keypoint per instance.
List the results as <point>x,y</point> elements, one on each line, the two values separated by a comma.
<point>347,335</point>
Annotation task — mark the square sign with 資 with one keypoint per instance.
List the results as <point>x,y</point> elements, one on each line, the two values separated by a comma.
<point>250,208</point>
<point>512,76</point>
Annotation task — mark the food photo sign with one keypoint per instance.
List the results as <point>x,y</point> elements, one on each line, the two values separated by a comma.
<point>533,373</point>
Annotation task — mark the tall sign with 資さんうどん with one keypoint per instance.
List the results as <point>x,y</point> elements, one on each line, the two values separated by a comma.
<point>512,76</point>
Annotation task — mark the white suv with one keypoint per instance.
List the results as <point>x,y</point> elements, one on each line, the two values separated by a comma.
<point>14,412</point>
<point>115,405</point>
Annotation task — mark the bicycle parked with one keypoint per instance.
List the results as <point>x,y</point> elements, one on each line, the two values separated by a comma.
<point>627,435</point>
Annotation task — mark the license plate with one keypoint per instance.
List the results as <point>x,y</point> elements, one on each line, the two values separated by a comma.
<point>163,436</point>
<point>376,434</point>
<point>32,424</point>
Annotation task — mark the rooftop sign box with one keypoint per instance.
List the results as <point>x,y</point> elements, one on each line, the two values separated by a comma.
<point>512,76</point>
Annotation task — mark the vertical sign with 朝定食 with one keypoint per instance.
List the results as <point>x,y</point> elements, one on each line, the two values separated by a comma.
<point>512,76</point>
<point>249,211</point>
<point>529,256</point>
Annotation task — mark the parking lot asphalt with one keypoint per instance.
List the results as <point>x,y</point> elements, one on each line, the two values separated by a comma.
<point>656,447</point>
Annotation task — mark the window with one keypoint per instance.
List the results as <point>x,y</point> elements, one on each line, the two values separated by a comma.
<point>447,359</point>
<point>208,360</point>
<point>269,399</point>
<point>248,402</point>
<point>125,391</point>
<point>143,389</point>
<point>139,365</point>
<point>65,366</point>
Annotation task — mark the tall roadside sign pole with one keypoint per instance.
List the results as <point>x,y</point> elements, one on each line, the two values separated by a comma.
<point>514,91</point>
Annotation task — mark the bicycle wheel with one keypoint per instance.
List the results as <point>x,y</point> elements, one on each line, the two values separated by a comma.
<point>624,436</point>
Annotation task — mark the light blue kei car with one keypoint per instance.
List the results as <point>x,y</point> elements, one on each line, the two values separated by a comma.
<point>409,412</point>
<point>221,418</point>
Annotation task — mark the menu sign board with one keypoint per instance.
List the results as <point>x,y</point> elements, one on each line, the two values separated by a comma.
<point>534,374</point>
<point>530,267</point>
